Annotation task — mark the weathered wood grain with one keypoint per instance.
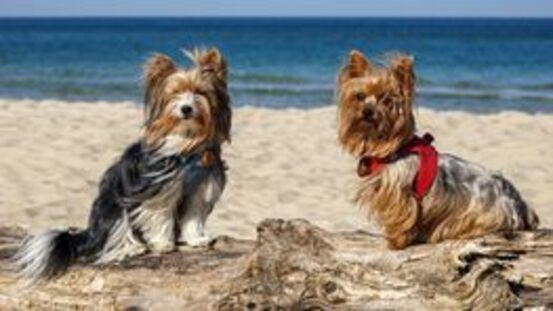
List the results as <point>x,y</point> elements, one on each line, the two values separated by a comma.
<point>294,265</point>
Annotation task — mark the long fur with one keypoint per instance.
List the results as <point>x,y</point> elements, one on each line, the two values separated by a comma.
<point>164,186</point>
<point>376,119</point>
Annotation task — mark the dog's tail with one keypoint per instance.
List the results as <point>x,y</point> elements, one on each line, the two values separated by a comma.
<point>49,254</point>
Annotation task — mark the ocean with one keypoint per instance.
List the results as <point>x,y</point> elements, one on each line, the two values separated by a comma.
<point>480,65</point>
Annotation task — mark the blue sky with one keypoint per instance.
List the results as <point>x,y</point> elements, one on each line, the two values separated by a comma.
<point>501,8</point>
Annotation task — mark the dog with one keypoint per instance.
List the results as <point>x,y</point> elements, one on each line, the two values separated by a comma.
<point>164,186</point>
<point>416,194</point>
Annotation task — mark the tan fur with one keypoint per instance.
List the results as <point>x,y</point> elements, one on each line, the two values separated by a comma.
<point>207,80</point>
<point>450,210</point>
<point>389,87</point>
<point>444,213</point>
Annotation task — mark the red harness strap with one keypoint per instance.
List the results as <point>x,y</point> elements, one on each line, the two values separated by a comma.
<point>428,167</point>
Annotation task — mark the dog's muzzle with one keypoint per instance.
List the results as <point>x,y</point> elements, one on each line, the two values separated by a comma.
<point>185,106</point>
<point>187,111</point>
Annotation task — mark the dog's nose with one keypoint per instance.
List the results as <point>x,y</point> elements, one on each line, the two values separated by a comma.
<point>368,112</point>
<point>186,110</point>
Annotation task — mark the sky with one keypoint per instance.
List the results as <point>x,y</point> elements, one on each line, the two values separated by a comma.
<point>400,8</point>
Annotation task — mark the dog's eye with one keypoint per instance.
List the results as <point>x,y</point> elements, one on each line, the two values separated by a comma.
<point>200,93</point>
<point>207,70</point>
<point>360,96</point>
<point>385,100</point>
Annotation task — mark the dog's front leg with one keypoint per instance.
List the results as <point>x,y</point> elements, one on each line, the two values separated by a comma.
<point>197,207</point>
<point>158,227</point>
<point>400,241</point>
<point>193,233</point>
<point>192,224</point>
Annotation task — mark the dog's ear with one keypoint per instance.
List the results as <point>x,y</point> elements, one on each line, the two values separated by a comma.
<point>157,68</point>
<point>356,66</point>
<point>402,68</point>
<point>212,64</point>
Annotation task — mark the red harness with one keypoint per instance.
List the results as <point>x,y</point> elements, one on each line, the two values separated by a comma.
<point>428,167</point>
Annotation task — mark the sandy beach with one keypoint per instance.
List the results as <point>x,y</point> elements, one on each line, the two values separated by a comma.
<point>283,163</point>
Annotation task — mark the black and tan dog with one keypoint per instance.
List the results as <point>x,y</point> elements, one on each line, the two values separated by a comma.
<point>416,194</point>
<point>164,186</point>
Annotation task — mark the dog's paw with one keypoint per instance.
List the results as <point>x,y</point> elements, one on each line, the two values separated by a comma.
<point>163,248</point>
<point>131,251</point>
<point>138,251</point>
<point>199,241</point>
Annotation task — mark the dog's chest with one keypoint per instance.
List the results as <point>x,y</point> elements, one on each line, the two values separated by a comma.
<point>203,184</point>
<point>168,196</point>
<point>212,188</point>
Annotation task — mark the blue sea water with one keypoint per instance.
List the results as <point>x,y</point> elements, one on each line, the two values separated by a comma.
<point>470,64</point>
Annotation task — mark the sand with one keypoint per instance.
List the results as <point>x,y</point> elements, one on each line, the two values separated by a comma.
<point>283,163</point>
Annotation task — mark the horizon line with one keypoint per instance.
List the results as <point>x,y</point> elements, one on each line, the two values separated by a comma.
<point>282,16</point>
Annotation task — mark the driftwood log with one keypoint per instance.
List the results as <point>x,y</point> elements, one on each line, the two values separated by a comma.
<point>294,265</point>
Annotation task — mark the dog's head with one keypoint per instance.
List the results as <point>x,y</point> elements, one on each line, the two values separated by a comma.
<point>375,105</point>
<point>186,108</point>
